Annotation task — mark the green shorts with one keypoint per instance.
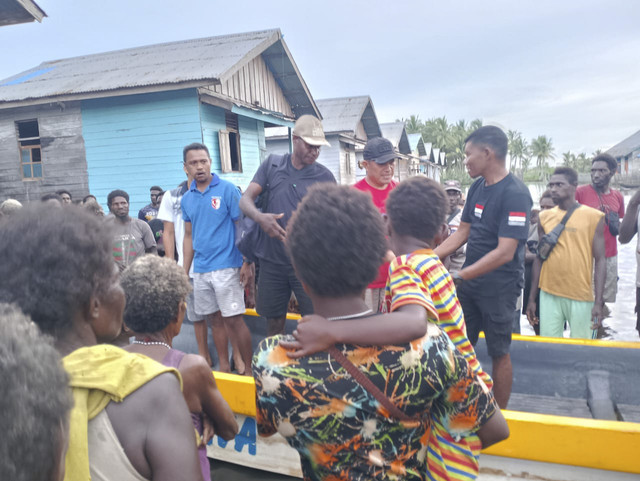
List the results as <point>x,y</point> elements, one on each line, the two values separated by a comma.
<point>555,310</point>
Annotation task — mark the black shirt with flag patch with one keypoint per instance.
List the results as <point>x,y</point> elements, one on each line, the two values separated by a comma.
<point>499,210</point>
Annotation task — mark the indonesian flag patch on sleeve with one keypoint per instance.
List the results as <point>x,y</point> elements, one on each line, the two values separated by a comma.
<point>517,219</point>
<point>478,210</point>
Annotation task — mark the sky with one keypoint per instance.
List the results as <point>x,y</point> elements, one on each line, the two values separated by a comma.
<point>567,69</point>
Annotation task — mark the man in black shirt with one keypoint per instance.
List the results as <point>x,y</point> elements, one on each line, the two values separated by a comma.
<point>286,178</point>
<point>495,225</point>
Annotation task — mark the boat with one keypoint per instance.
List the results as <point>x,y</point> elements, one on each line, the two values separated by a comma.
<point>582,423</point>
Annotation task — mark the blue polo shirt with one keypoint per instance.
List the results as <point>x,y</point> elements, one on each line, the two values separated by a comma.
<point>212,214</point>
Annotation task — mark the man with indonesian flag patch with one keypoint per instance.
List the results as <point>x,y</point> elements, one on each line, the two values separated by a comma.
<point>495,226</point>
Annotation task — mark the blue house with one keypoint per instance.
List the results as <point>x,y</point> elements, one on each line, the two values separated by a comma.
<point>119,120</point>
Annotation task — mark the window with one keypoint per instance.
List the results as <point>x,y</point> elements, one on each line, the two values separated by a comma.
<point>30,152</point>
<point>347,163</point>
<point>230,145</point>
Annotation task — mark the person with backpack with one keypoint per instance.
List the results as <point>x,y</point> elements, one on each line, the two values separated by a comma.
<point>285,180</point>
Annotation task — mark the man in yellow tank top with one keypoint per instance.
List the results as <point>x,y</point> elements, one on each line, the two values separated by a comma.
<point>565,276</point>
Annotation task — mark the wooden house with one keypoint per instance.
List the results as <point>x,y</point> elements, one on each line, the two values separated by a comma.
<point>405,165</point>
<point>13,12</point>
<point>423,152</point>
<point>627,153</point>
<point>119,120</point>
<point>348,123</point>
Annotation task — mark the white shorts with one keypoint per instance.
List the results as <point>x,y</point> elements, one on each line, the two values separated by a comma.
<point>219,290</point>
<point>191,312</point>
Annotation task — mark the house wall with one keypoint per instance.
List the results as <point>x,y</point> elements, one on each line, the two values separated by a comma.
<point>347,175</point>
<point>254,85</point>
<point>277,146</point>
<point>330,156</point>
<point>63,158</point>
<point>252,143</point>
<point>135,141</point>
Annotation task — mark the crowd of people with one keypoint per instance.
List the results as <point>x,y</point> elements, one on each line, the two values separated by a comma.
<point>395,282</point>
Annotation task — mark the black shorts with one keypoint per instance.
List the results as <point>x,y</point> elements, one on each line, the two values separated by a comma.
<point>275,284</point>
<point>491,314</point>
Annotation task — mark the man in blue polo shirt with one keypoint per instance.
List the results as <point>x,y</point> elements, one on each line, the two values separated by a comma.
<point>209,210</point>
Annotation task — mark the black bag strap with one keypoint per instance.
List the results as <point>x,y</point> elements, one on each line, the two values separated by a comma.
<point>560,227</point>
<point>272,161</point>
<point>571,210</point>
<point>366,383</point>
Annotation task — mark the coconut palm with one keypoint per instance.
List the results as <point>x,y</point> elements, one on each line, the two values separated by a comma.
<point>413,124</point>
<point>542,149</point>
<point>569,159</point>
<point>437,132</point>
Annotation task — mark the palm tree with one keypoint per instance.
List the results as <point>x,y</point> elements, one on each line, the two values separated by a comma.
<point>513,136</point>
<point>475,125</point>
<point>569,159</point>
<point>413,124</point>
<point>583,164</point>
<point>542,150</point>
<point>437,132</point>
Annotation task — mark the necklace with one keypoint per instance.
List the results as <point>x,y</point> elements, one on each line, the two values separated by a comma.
<point>151,343</point>
<point>350,316</point>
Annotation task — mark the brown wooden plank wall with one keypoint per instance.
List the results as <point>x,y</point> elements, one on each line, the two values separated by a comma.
<point>255,83</point>
<point>63,154</point>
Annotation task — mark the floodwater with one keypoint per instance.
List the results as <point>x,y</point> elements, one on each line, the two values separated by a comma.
<point>621,326</point>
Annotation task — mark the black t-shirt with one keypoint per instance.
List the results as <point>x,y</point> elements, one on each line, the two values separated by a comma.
<point>499,210</point>
<point>287,187</point>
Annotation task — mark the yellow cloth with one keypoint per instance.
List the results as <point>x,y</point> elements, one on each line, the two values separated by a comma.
<point>568,270</point>
<point>101,374</point>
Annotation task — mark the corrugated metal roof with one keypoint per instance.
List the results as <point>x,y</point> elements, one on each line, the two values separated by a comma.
<point>20,11</point>
<point>627,146</point>
<point>343,115</point>
<point>396,133</point>
<point>205,60</point>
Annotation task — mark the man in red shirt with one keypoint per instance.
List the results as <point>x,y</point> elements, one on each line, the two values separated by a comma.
<point>599,196</point>
<point>379,159</point>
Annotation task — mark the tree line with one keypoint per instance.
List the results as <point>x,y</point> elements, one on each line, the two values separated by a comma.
<point>529,159</point>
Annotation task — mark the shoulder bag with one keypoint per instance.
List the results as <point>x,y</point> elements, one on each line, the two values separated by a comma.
<point>548,241</point>
<point>248,232</point>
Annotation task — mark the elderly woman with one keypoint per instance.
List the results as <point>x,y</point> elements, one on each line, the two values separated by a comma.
<point>129,420</point>
<point>33,381</point>
<point>156,289</point>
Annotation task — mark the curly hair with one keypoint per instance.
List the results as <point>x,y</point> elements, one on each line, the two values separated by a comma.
<point>35,401</point>
<point>54,260</point>
<point>417,207</point>
<point>336,240</point>
<point>612,163</point>
<point>116,193</point>
<point>154,288</point>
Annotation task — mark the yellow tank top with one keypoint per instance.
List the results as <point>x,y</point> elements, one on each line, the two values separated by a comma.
<point>569,269</point>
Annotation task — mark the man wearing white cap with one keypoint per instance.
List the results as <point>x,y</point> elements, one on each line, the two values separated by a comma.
<point>283,180</point>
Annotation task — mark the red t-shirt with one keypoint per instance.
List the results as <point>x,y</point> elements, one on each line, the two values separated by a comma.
<point>379,197</point>
<point>612,202</point>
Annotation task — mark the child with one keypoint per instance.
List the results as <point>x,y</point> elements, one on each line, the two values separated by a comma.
<point>416,277</point>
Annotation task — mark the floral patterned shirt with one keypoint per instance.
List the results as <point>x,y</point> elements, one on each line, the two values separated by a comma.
<point>342,432</point>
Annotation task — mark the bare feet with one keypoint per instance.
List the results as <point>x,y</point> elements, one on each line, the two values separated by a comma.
<point>238,364</point>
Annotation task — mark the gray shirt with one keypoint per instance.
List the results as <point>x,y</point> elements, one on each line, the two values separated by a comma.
<point>130,240</point>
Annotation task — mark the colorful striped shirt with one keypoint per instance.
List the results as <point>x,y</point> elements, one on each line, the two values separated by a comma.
<point>420,278</point>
